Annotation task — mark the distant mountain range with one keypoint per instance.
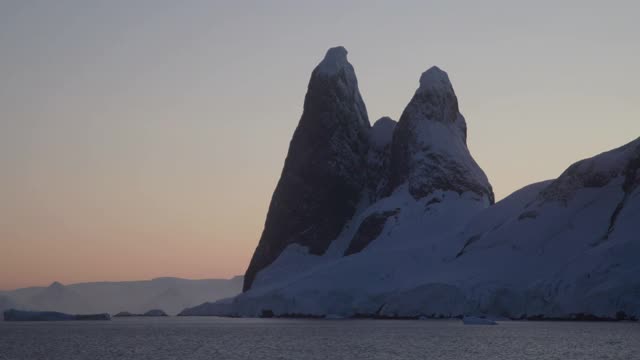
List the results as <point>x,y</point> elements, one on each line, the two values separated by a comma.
<point>169,294</point>
<point>398,220</point>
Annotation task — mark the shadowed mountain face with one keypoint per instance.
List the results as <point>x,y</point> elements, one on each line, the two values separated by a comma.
<point>325,169</point>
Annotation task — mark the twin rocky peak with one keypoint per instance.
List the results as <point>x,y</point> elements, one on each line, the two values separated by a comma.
<point>337,162</point>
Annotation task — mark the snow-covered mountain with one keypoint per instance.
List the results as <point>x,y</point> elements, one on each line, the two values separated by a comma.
<point>402,222</point>
<point>168,294</point>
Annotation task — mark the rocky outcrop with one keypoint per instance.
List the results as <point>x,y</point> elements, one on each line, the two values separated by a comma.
<point>150,313</point>
<point>325,169</point>
<point>369,230</point>
<point>20,315</point>
<point>379,157</point>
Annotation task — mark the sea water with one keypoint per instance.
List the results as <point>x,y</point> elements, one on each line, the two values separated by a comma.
<point>220,338</point>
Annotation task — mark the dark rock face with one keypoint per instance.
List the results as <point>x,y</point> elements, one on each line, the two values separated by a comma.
<point>325,170</point>
<point>369,230</point>
<point>429,150</point>
<point>379,157</point>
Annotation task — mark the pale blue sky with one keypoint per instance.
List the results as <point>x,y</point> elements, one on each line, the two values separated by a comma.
<point>153,132</point>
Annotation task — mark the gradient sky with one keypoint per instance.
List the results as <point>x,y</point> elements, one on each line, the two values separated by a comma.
<point>144,138</point>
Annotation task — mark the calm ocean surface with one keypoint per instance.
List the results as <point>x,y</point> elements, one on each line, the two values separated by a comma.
<point>216,338</point>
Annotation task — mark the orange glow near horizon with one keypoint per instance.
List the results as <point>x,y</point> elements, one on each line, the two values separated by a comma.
<point>142,140</point>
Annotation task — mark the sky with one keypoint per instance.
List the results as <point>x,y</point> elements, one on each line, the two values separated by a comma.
<point>141,139</point>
